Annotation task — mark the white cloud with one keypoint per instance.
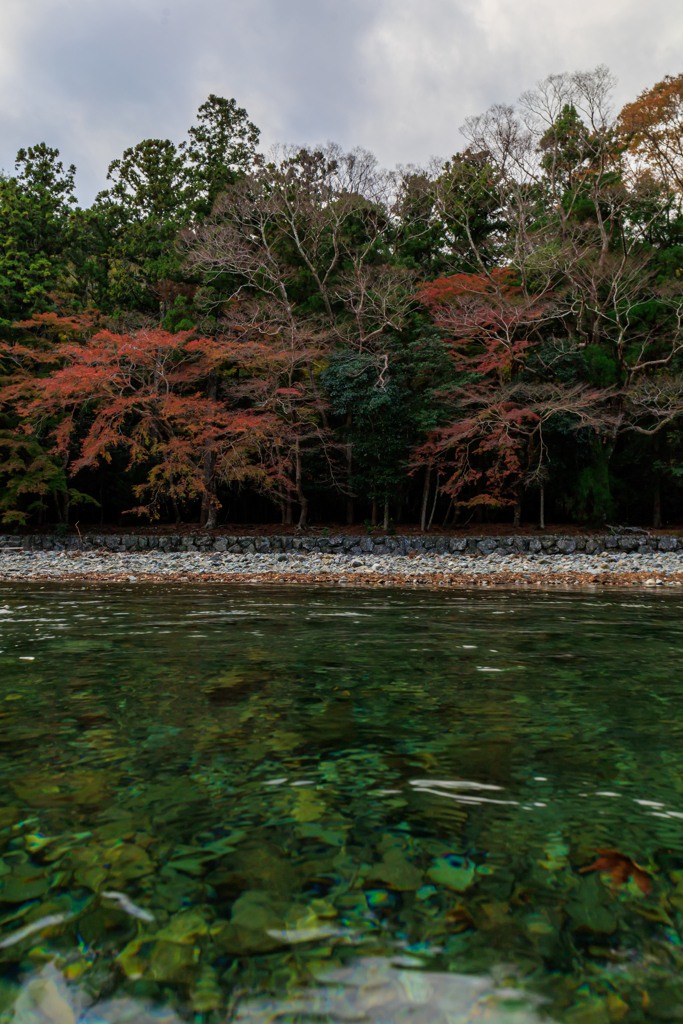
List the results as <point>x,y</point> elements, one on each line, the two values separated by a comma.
<point>397,76</point>
<point>436,61</point>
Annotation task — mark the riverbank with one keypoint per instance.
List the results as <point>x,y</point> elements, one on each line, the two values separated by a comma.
<point>432,569</point>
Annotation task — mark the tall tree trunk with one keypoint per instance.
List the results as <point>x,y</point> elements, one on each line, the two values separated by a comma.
<point>425,498</point>
<point>349,473</point>
<point>303,500</point>
<point>657,488</point>
<point>517,517</point>
<point>542,508</point>
<point>448,512</point>
<point>65,493</point>
<point>657,503</point>
<point>176,510</point>
<point>288,510</point>
<point>385,524</point>
<point>436,498</point>
<point>208,513</point>
<point>373,520</point>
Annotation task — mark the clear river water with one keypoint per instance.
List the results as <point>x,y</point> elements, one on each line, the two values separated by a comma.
<point>315,804</point>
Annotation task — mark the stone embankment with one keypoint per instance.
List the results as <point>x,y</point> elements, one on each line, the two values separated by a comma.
<point>643,543</point>
<point>625,559</point>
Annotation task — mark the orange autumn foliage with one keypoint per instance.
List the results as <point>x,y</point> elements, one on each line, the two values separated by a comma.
<point>144,392</point>
<point>487,318</point>
<point>653,125</point>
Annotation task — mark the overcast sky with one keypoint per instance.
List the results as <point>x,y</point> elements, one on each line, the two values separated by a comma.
<point>396,76</point>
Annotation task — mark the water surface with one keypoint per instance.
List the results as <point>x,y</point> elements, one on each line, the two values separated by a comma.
<point>317,804</point>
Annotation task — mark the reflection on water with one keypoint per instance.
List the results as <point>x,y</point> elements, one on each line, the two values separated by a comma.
<point>325,805</point>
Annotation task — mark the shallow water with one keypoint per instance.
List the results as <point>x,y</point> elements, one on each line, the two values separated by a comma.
<point>319,804</point>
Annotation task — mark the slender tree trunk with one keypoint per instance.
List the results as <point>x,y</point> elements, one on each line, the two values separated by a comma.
<point>288,510</point>
<point>436,498</point>
<point>542,509</point>
<point>425,498</point>
<point>385,524</point>
<point>303,500</point>
<point>208,513</point>
<point>373,520</point>
<point>448,512</point>
<point>657,491</point>
<point>64,513</point>
<point>349,473</point>
<point>517,517</point>
<point>657,503</point>
<point>176,510</point>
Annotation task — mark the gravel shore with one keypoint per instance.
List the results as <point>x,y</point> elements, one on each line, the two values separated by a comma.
<point>445,569</point>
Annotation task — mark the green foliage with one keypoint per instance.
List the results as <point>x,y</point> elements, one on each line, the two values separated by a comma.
<point>222,147</point>
<point>29,475</point>
<point>601,365</point>
<point>590,499</point>
<point>36,206</point>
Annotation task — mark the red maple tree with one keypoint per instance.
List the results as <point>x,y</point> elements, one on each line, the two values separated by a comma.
<point>144,392</point>
<point>494,447</point>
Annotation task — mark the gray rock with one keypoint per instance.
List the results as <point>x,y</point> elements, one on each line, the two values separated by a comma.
<point>566,545</point>
<point>667,544</point>
<point>487,545</point>
<point>629,543</point>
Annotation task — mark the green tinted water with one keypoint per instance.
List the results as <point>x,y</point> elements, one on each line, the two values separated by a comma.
<point>316,804</point>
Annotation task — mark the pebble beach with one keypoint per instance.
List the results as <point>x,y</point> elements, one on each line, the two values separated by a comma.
<point>442,569</point>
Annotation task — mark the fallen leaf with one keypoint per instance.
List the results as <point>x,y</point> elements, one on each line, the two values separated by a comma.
<point>621,868</point>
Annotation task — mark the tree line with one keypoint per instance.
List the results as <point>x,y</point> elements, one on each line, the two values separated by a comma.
<point>227,336</point>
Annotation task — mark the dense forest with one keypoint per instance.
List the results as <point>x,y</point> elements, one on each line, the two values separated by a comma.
<point>303,337</point>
